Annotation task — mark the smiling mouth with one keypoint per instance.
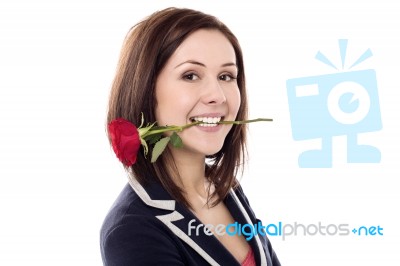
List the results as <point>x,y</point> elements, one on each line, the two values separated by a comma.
<point>207,121</point>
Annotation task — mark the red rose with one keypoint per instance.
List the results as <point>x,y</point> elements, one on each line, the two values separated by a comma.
<point>125,140</point>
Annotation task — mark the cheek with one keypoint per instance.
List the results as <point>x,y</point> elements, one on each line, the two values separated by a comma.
<point>161,110</point>
<point>173,106</point>
<point>234,103</point>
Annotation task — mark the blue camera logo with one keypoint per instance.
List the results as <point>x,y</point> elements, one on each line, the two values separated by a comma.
<point>325,106</point>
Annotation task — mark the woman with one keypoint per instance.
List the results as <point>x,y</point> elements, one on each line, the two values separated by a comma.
<point>176,67</point>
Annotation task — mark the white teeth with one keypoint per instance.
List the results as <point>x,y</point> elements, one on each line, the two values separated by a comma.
<point>208,121</point>
<point>208,125</point>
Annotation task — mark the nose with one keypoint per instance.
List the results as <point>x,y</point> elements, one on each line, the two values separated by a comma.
<point>214,93</point>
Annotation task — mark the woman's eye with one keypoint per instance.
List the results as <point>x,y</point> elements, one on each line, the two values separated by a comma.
<point>226,77</point>
<point>191,77</point>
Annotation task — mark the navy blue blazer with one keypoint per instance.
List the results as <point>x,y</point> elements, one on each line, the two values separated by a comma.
<point>145,226</point>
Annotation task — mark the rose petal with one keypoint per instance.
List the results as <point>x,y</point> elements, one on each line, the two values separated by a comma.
<point>125,140</point>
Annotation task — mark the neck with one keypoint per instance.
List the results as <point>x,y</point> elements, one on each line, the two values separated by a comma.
<point>191,170</point>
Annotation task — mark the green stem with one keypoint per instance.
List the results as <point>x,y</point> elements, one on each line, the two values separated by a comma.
<point>170,128</point>
<point>246,121</point>
<point>180,128</point>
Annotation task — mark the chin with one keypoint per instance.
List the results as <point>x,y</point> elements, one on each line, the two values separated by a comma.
<point>204,150</point>
<point>204,146</point>
<point>212,151</point>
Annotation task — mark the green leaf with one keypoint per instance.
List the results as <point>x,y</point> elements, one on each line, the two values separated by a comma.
<point>143,131</point>
<point>141,124</point>
<point>176,140</point>
<point>153,138</point>
<point>145,147</point>
<point>159,148</point>
<point>158,127</point>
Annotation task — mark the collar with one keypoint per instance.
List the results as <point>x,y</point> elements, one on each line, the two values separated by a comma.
<point>178,220</point>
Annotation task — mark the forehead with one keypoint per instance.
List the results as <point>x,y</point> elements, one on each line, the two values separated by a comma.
<point>205,45</point>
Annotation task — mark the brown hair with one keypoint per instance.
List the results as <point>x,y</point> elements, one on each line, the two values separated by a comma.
<point>146,49</point>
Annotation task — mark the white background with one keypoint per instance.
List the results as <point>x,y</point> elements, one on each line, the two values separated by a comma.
<point>58,176</point>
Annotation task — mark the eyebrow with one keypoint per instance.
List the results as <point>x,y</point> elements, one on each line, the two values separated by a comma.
<point>203,65</point>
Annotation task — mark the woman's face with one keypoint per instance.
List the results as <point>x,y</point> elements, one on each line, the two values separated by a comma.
<point>198,83</point>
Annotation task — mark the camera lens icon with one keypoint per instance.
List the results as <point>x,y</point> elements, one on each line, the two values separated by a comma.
<point>348,102</point>
<point>340,104</point>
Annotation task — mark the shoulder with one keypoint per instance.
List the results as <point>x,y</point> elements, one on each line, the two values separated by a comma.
<point>136,241</point>
<point>131,234</point>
